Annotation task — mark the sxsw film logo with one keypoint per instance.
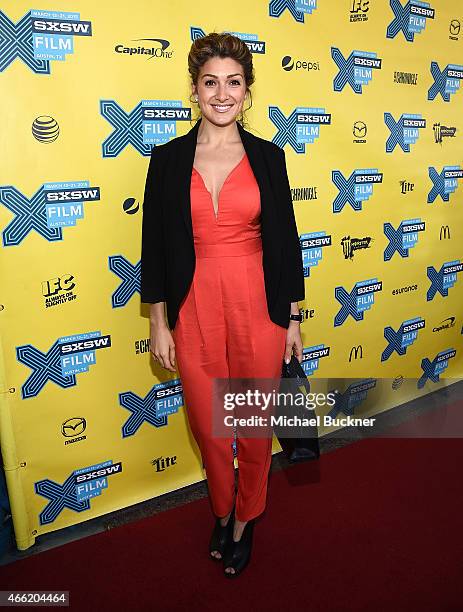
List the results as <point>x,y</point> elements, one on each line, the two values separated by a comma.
<point>52,207</point>
<point>311,357</point>
<point>355,394</point>
<point>446,81</point>
<point>444,279</point>
<point>357,69</point>
<point>251,40</point>
<point>300,128</point>
<point>40,37</point>
<point>69,355</point>
<point>312,245</point>
<point>297,8</point>
<point>356,189</point>
<point>130,275</point>
<point>404,132</point>
<point>76,491</point>
<point>409,19</point>
<point>163,400</point>
<point>403,238</point>
<point>444,183</point>
<point>355,303</point>
<point>405,336</point>
<point>151,122</point>
<point>433,369</point>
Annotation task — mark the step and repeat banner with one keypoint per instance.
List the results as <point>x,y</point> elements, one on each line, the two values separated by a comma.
<point>363,96</point>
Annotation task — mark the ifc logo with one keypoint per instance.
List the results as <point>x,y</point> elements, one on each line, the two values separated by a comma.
<point>45,129</point>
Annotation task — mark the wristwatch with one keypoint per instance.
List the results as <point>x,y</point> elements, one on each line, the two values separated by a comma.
<point>296,317</point>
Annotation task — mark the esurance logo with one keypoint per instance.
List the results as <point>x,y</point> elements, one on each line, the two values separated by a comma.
<point>69,356</point>
<point>446,81</point>
<point>298,8</point>
<point>300,128</point>
<point>356,189</point>
<point>398,341</point>
<point>40,37</point>
<point>52,207</point>
<point>444,279</point>
<point>251,40</point>
<point>404,132</point>
<point>409,19</point>
<point>355,303</point>
<point>445,183</point>
<point>151,122</point>
<point>312,245</point>
<point>402,239</point>
<point>357,69</point>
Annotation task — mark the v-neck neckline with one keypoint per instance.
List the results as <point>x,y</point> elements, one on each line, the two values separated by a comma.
<point>216,216</point>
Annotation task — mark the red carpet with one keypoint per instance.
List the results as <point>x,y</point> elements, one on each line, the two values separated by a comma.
<point>373,526</point>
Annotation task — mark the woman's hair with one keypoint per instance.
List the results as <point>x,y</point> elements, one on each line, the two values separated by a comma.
<point>221,45</point>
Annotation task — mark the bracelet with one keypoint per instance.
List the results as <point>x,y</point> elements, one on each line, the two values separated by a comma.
<point>296,317</point>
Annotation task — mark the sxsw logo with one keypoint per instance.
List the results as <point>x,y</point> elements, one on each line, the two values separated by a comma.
<point>40,37</point>
<point>403,238</point>
<point>443,280</point>
<point>409,19</point>
<point>444,183</point>
<point>76,491</point>
<point>404,132</point>
<point>446,81</point>
<point>355,394</point>
<point>251,40</point>
<point>356,189</point>
<point>297,8</point>
<point>69,355</point>
<point>129,274</point>
<point>150,123</point>
<point>361,298</point>
<point>311,357</point>
<point>405,336</point>
<point>300,128</point>
<point>162,400</point>
<point>357,69</point>
<point>312,245</point>
<point>52,207</point>
<point>432,369</point>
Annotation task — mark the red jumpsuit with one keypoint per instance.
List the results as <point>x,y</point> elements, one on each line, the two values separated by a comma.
<point>224,330</point>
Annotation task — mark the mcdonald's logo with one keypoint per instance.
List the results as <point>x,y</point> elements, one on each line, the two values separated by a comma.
<point>444,232</point>
<point>356,350</point>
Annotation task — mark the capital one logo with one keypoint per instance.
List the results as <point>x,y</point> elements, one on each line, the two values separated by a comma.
<point>446,81</point>
<point>444,183</point>
<point>402,239</point>
<point>251,40</point>
<point>355,303</point>
<point>356,189</point>
<point>398,341</point>
<point>353,396</point>
<point>403,132</point>
<point>52,207</point>
<point>433,369</point>
<point>357,69</point>
<point>311,357</point>
<point>409,19</point>
<point>163,400</point>
<point>297,8</point>
<point>300,128</point>
<point>312,245</point>
<point>69,356</point>
<point>444,279</point>
<point>40,37</point>
<point>150,123</point>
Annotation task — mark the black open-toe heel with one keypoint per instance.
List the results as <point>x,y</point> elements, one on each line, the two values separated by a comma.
<point>238,554</point>
<point>220,536</point>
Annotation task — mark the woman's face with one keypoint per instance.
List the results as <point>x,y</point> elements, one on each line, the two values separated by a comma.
<point>221,90</point>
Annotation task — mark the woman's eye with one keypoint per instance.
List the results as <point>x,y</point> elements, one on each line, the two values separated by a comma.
<point>209,81</point>
<point>236,82</point>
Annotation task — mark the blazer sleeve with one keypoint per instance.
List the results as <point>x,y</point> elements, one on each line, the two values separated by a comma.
<point>153,256</point>
<point>293,264</point>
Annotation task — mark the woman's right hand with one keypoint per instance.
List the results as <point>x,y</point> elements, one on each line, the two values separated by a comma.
<point>162,345</point>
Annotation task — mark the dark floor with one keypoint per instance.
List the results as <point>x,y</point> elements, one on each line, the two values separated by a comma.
<point>400,414</point>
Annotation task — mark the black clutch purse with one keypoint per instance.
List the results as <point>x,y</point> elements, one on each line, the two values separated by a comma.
<point>303,444</point>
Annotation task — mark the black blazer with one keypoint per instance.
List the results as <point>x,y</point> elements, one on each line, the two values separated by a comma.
<point>167,250</point>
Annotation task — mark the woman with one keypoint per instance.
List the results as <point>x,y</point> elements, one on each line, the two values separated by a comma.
<point>220,250</point>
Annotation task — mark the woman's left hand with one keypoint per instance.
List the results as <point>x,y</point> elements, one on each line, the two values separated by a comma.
<point>293,341</point>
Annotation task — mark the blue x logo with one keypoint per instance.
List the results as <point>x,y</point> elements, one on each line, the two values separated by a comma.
<point>403,132</point>
<point>443,280</point>
<point>403,338</point>
<point>128,129</point>
<point>357,69</point>
<point>409,19</point>
<point>130,275</point>
<point>297,8</point>
<point>446,82</point>
<point>356,189</point>
<point>61,497</point>
<point>16,42</point>
<point>433,369</point>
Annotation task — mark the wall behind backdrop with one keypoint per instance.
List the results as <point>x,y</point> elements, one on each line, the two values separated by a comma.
<point>364,97</point>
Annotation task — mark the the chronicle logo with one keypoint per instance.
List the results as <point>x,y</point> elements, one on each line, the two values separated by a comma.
<point>304,193</point>
<point>67,357</point>
<point>446,81</point>
<point>444,279</point>
<point>52,207</point>
<point>357,69</point>
<point>409,19</point>
<point>444,183</point>
<point>312,245</point>
<point>445,324</point>
<point>300,128</point>
<point>442,131</point>
<point>398,341</point>
<point>359,10</point>
<point>40,37</point>
<point>151,122</point>
<point>298,8</point>
<point>162,463</point>
<point>45,129</point>
<point>359,130</point>
<point>406,78</point>
<point>350,245</point>
<point>148,50</point>
<point>356,189</point>
<point>402,239</point>
<point>355,303</point>
<point>311,357</point>
<point>404,131</point>
<point>73,429</point>
<point>142,346</point>
<point>252,41</point>
<point>59,290</point>
<point>288,64</point>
